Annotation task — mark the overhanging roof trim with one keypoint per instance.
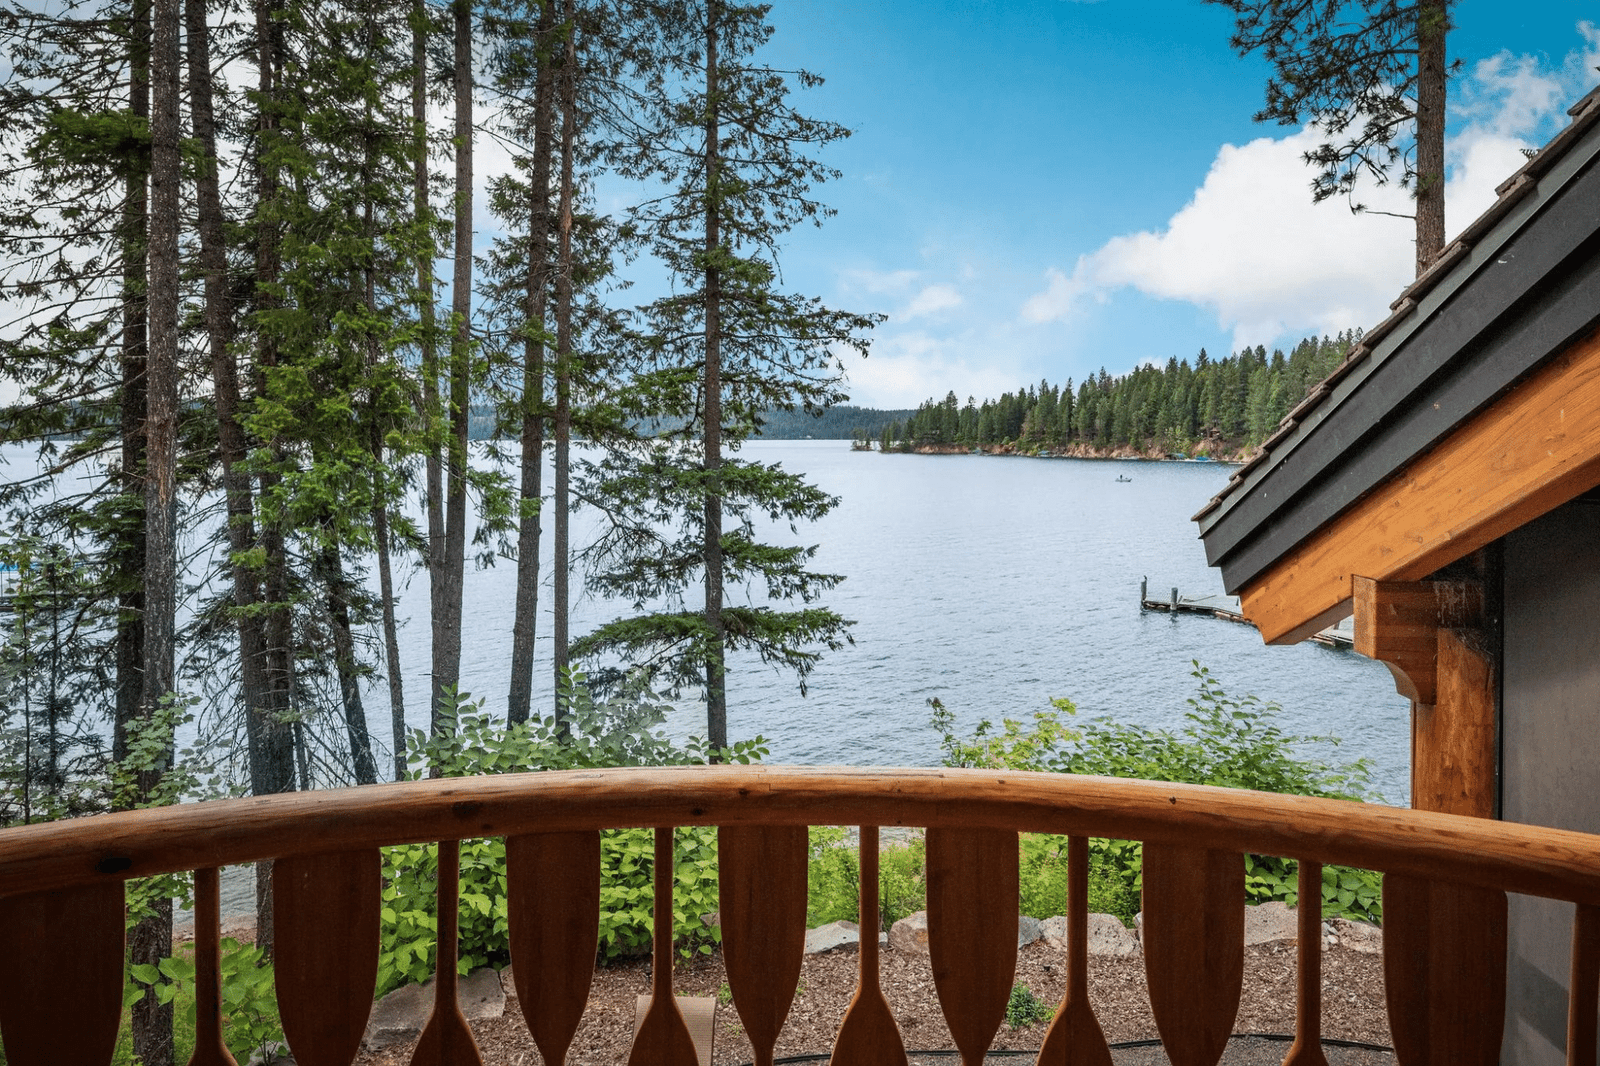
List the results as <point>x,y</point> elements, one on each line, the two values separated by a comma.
<point>1521,197</point>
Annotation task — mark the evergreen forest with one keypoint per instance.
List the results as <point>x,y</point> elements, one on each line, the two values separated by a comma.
<point>1223,408</point>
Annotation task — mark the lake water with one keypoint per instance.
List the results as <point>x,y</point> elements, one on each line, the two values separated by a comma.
<point>992,583</point>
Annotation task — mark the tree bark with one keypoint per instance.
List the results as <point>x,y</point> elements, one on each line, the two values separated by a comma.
<point>524,624</point>
<point>560,623</point>
<point>1433,22</point>
<point>269,732</point>
<point>153,1038</point>
<point>447,609</point>
<point>336,601</point>
<point>232,444</point>
<point>716,657</point>
<point>432,461</point>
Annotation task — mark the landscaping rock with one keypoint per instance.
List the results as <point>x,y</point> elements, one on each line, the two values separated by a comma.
<point>1270,921</point>
<point>1109,937</point>
<point>276,1054</point>
<point>833,937</point>
<point>910,934</point>
<point>1054,932</point>
<point>1028,930</point>
<point>1357,936</point>
<point>399,1017</point>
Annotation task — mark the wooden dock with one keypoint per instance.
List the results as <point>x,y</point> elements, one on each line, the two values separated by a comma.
<point>1339,635</point>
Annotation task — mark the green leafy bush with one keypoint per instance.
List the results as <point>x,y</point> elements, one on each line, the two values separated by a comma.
<point>1024,1008</point>
<point>1232,743</point>
<point>834,879</point>
<point>622,731</point>
<point>249,1003</point>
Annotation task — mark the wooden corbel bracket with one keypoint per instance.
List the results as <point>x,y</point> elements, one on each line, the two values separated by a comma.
<point>1398,624</point>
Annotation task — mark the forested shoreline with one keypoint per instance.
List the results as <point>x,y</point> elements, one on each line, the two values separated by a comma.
<point>1218,408</point>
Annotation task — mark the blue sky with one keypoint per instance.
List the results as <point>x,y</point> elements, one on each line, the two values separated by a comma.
<point>1038,188</point>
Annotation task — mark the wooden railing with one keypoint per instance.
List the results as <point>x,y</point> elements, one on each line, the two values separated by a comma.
<point>61,906</point>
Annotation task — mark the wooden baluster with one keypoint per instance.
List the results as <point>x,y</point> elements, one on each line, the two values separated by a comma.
<point>76,936</point>
<point>1583,987</point>
<point>972,931</point>
<point>1194,948</point>
<point>1307,1047</point>
<point>1074,1037</point>
<point>446,1039</point>
<point>868,1036</point>
<point>210,1049</point>
<point>762,897</point>
<point>1444,971</point>
<point>553,881</point>
<point>325,916</point>
<point>663,1038</point>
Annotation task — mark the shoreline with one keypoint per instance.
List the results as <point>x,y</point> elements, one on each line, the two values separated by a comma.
<point>1235,457</point>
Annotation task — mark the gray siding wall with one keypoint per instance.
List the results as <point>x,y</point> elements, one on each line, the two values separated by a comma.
<point>1550,759</point>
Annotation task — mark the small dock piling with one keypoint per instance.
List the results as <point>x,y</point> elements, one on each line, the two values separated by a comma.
<point>1339,635</point>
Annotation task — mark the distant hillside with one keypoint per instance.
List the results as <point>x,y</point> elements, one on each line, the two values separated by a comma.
<point>836,423</point>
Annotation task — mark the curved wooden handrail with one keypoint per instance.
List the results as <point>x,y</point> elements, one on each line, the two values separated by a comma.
<point>105,848</point>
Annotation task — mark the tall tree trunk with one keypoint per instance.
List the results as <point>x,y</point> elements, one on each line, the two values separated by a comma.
<point>391,631</point>
<point>336,601</point>
<point>270,733</point>
<point>432,417</point>
<point>1433,22</point>
<point>560,628</point>
<point>154,1038</point>
<point>716,657</point>
<point>232,445</point>
<point>447,612</point>
<point>135,326</point>
<point>525,621</point>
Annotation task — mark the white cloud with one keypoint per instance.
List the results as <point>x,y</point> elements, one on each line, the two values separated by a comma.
<point>906,368</point>
<point>930,301</point>
<point>1251,247</point>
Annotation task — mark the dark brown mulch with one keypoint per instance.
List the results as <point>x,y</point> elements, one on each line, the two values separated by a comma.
<point>1352,1009</point>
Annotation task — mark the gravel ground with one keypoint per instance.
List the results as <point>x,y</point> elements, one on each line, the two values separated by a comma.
<point>1352,1010</point>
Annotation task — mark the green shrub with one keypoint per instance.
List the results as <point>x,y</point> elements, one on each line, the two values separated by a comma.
<point>834,879</point>
<point>249,1003</point>
<point>1233,743</point>
<point>623,731</point>
<point>1024,1008</point>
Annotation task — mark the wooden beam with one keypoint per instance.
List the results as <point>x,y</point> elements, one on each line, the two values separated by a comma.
<point>1398,624</point>
<point>1532,450</point>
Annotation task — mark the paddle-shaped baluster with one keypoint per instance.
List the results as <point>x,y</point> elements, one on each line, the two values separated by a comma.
<point>1307,1047</point>
<point>1074,1037</point>
<point>325,917</point>
<point>663,1038</point>
<point>209,1047</point>
<point>762,898</point>
<point>76,936</point>
<point>868,1035</point>
<point>554,910</point>
<point>446,1040</point>
<point>1444,971</point>
<point>1194,948</point>
<point>1583,995</point>
<point>972,931</point>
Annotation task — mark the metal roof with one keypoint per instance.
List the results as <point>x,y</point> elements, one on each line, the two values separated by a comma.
<point>1519,285</point>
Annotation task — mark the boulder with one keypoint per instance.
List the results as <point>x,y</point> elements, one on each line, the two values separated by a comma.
<point>1270,921</point>
<point>398,1018</point>
<point>910,934</point>
<point>1107,936</point>
<point>1357,936</point>
<point>1054,932</point>
<point>1028,930</point>
<point>833,937</point>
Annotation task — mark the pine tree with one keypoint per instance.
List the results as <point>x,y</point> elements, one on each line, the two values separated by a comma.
<point>1371,74</point>
<point>726,346</point>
